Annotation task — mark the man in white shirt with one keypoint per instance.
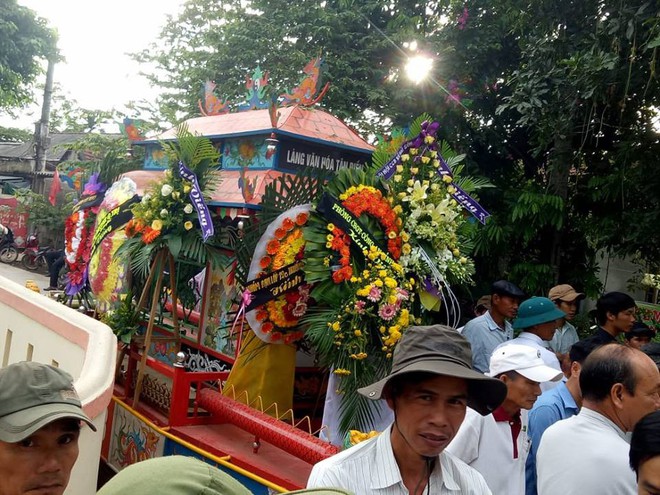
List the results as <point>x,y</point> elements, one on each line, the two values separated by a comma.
<point>496,445</point>
<point>588,453</point>
<point>429,388</point>
<point>538,319</point>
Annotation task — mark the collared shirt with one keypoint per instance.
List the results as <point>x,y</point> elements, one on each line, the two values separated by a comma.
<point>370,468</point>
<point>484,336</point>
<point>586,454</point>
<point>554,405</point>
<point>564,338</point>
<point>492,448</point>
<point>549,358</point>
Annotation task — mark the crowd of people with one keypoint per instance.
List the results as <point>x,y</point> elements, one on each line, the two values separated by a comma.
<point>475,412</point>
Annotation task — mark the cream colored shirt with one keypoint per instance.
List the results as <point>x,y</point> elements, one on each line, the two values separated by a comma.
<point>370,468</point>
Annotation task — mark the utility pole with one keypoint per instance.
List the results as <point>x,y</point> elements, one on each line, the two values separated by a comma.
<point>41,136</point>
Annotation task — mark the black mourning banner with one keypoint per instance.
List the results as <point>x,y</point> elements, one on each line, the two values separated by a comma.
<point>300,156</point>
<point>275,284</point>
<point>112,220</point>
<point>88,201</point>
<point>334,212</point>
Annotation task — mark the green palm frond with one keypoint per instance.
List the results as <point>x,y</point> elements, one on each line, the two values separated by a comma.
<point>416,125</point>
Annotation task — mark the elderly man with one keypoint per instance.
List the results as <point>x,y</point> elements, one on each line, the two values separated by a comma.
<point>429,388</point>
<point>556,404</point>
<point>615,312</point>
<point>496,445</point>
<point>491,329</point>
<point>40,416</point>
<point>588,453</point>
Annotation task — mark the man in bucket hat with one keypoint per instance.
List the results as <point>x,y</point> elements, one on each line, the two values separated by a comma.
<point>40,416</point>
<point>538,318</point>
<point>496,445</point>
<point>429,388</point>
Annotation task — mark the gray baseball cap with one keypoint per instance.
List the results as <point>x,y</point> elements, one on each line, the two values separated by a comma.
<point>441,350</point>
<point>33,395</point>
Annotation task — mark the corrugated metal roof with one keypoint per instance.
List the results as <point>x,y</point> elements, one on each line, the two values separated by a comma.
<point>306,123</point>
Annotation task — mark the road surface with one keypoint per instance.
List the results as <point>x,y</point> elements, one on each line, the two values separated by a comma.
<point>19,275</point>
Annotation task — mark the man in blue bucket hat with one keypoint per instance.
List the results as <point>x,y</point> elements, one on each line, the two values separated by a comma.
<point>538,319</point>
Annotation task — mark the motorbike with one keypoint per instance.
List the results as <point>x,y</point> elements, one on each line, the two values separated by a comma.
<point>8,249</point>
<point>34,256</point>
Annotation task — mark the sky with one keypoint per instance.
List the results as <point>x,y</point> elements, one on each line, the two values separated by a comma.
<point>95,37</point>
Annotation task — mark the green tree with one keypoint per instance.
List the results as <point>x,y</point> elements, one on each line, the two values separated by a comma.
<point>25,42</point>
<point>552,100</point>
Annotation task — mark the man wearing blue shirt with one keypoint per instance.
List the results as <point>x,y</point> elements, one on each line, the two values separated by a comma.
<point>560,402</point>
<point>491,329</point>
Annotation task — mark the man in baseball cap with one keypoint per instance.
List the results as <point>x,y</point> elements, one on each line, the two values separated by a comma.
<point>429,388</point>
<point>40,416</point>
<point>639,335</point>
<point>491,329</point>
<point>567,299</point>
<point>496,445</point>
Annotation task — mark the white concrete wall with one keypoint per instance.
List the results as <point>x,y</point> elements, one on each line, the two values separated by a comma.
<point>36,328</point>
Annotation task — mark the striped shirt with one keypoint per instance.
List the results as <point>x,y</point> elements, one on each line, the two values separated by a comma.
<point>370,468</point>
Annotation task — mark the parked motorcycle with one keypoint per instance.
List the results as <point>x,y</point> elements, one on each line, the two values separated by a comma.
<point>8,248</point>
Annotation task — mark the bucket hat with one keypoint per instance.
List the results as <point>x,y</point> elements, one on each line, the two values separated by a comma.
<point>523,359</point>
<point>441,350</point>
<point>535,311</point>
<point>177,474</point>
<point>33,395</point>
<point>564,292</point>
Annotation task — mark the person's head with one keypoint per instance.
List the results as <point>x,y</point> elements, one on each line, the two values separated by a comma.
<point>505,298</point>
<point>615,311</point>
<point>539,316</point>
<point>521,369</point>
<point>566,299</point>
<point>639,335</point>
<point>577,354</point>
<point>620,382</point>
<point>40,416</point>
<point>430,385</point>
<point>652,350</point>
<point>645,454</point>
<point>482,305</point>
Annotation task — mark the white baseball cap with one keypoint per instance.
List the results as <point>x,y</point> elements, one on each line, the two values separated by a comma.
<point>522,359</point>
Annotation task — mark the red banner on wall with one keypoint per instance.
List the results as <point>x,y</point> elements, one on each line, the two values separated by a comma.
<point>12,219</point>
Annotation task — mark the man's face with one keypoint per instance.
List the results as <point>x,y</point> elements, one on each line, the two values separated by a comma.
<point>40,464</point>
<point>521,392</point>
<point>622,321</point>
<point>428,415</point>
<point>568,307</point>
<point>648,480</point>
<point>507,306</point>
<point>646,398</point>
<point>638,341</point>
<point>546,330</point>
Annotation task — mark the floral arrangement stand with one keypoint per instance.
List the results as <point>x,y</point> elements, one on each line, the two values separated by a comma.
<point>162,257</point>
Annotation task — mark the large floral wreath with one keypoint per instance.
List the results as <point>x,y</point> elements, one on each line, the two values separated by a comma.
<point>277,320</point>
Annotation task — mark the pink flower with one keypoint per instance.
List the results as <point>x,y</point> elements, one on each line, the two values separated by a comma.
<point>463,18</point>
<point>387,312</point>
<point>401,294</point>
<point>359,307</point>
<point>374,294</point>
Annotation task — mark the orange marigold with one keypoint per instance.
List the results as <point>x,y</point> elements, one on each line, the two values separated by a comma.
<point>273,246</point>
<point>287,224</point>
<point>280,233</point>
<point>265,262</point>
<point>301,219</point>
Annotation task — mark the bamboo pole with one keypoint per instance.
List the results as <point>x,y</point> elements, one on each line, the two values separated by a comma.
<point>175,309</point>
<point>150,327</point>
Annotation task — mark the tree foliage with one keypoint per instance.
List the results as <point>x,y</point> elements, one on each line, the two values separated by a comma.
<point>25,42</point>
<point>553,101</point>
